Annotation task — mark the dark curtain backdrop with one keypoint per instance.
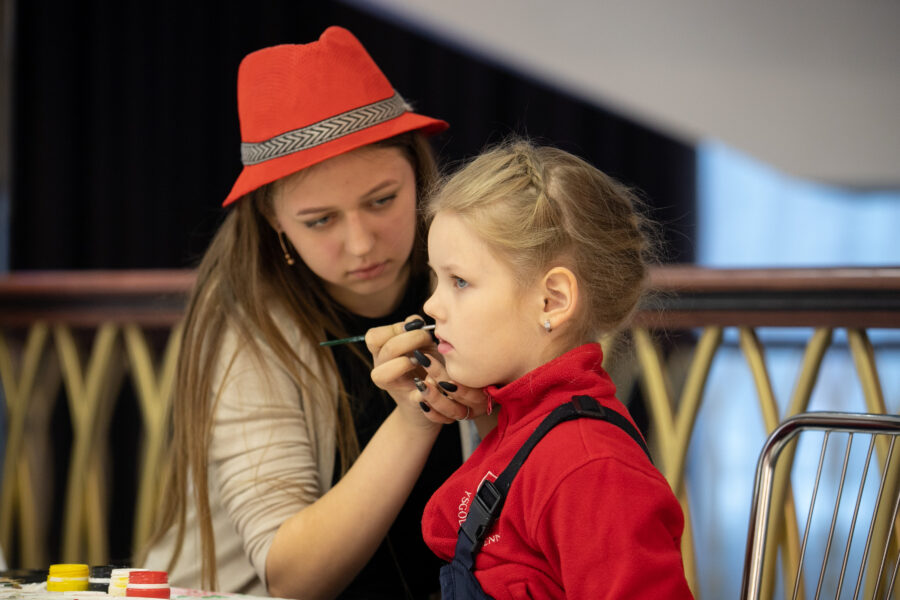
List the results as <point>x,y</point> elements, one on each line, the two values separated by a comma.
<point>126,135</point>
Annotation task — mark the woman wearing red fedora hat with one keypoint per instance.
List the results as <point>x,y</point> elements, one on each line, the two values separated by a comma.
<point>293,474</point>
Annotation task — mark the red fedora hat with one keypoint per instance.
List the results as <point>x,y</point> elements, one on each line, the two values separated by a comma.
<point>300,104</point>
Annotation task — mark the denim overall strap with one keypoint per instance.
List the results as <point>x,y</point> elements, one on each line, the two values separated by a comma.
<point>457,578</point>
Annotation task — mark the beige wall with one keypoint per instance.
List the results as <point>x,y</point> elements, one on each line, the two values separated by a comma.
<point>811,87</point>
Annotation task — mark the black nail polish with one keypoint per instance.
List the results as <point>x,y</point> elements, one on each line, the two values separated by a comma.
<point>414,324</point>
<point>423,360</point>
<point>420,385</point>
<point>424,407</point>
<point>450,387</point>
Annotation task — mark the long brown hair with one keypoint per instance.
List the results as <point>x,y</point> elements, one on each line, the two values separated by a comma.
<point>241,275</point>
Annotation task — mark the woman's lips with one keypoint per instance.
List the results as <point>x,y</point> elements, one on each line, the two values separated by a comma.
<point>369,272</point>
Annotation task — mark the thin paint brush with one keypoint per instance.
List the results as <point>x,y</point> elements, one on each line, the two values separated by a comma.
<point>358,338</point>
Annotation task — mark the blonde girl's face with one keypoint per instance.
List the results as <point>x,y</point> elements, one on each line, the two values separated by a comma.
<point>352,220</point>
<point>488,328</point>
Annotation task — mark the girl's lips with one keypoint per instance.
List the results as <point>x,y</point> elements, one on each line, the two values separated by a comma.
<point>443,347</point>
<point>369,272</point>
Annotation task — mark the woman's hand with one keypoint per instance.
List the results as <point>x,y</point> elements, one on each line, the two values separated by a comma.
<point>408,367</point>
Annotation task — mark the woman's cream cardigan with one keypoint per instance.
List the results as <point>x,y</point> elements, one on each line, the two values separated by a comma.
<point>272,453</point>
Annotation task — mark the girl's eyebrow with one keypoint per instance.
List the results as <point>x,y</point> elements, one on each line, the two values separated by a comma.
<point>375,190</point>
<point>446,267</point>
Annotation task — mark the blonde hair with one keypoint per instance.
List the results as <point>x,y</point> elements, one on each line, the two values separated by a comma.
<point>537,207</point>
<point>242,274</point>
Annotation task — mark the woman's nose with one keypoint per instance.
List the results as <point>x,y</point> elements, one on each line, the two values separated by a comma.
<point>360,237</point>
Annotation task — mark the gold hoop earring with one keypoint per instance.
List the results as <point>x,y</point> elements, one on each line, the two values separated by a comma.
<point>287,255</point>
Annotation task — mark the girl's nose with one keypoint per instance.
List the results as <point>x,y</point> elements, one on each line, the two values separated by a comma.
<point>431,305</point>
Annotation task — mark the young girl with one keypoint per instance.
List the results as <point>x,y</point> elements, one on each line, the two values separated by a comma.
<point>536,253</point>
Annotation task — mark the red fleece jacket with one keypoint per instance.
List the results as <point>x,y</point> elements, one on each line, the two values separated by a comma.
<point>587,516</point>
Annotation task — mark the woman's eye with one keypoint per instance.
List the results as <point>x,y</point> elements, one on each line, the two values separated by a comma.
<point>459,282</point>
<point>383,201</point>
<point>320,222</point>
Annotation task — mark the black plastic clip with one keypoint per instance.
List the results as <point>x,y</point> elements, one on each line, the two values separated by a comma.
<point>586,406</point>
<point>484,509</point>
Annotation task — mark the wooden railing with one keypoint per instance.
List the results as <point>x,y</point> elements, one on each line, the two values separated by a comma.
<point>82,344</point>
<point>78,334</point>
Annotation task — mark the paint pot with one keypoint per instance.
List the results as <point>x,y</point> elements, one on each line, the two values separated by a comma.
<point>98,581</point>
<point>67,578</point>
<point>148,584</point>
<point>118,581</point>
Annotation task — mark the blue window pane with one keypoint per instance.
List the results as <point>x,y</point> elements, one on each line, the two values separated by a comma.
<point>750,215</point>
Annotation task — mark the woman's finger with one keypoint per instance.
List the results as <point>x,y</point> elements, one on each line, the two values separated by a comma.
<point>450,399</point>
<point>377,337</point>
<point>390,341</point>
<point>426,397</point>
<point>395,373</point>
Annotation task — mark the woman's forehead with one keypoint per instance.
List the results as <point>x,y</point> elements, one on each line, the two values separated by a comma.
<point>348,177</point>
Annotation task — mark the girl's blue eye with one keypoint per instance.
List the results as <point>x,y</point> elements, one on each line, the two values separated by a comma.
<point>460,283</point>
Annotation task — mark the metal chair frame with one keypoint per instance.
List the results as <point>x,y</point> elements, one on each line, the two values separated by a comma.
<point>887,502</point>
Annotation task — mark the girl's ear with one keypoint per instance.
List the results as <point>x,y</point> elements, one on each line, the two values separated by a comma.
<point>560,291</point>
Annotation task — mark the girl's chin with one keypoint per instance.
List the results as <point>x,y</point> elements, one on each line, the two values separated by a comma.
<point>463,377</point>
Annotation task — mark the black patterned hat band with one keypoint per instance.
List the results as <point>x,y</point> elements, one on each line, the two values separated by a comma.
<point>324,131</point>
